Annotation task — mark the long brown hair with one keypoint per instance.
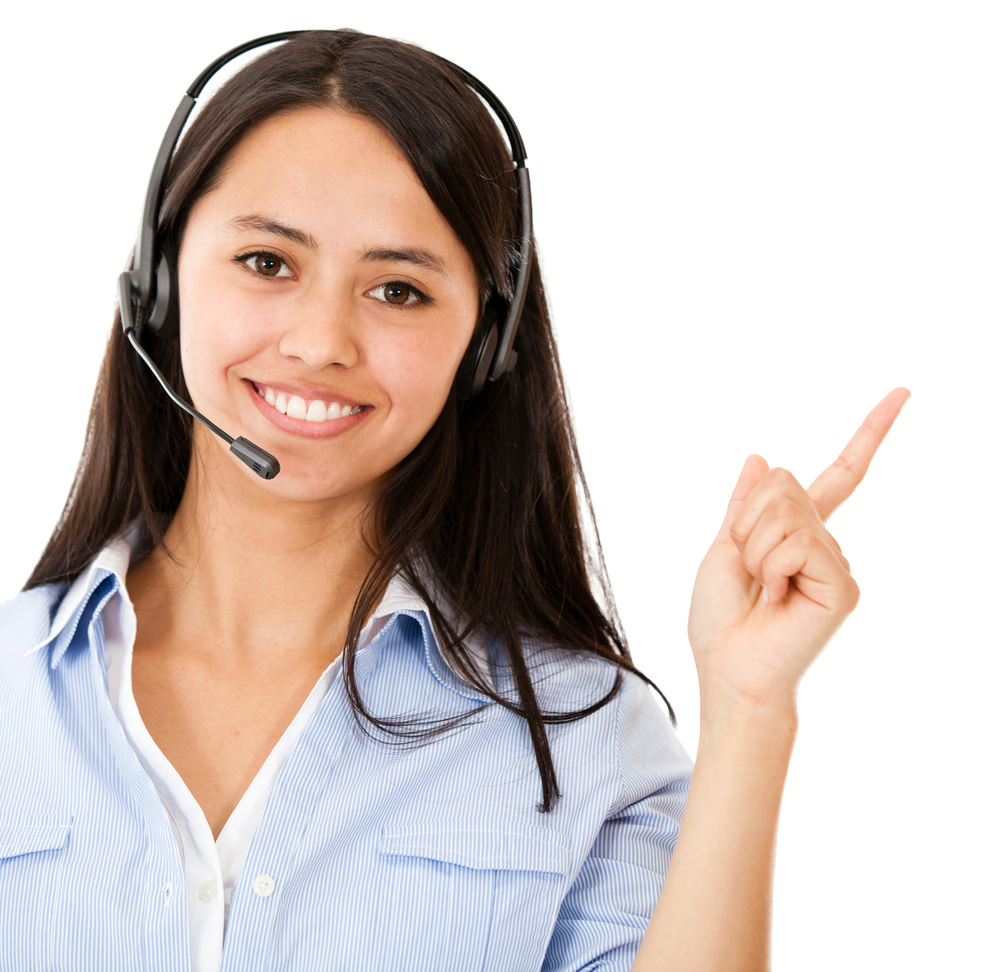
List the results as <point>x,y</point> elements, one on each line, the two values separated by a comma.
<point>493,498</point>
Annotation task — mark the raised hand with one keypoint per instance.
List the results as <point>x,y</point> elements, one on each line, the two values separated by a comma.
<point>775,586</point>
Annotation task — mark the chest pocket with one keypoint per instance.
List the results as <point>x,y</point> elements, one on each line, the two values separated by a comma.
<point>470,896</point>
<point>31,856</point>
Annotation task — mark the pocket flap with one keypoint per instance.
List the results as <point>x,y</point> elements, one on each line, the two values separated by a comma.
<point>504,846</point>
<point>32,833</point>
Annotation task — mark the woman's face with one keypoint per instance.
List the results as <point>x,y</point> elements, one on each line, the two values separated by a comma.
<point>325,304</point>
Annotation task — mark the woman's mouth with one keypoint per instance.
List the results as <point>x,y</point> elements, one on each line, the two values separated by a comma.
<point>305,409</point>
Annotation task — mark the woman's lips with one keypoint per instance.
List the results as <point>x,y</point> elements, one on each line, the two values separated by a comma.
<point>314,417</point>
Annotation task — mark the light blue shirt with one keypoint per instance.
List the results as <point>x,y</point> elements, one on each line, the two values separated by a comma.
<point>369,856</point>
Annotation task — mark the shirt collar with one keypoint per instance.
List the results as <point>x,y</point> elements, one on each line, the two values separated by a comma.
<point>401,598</point>
<point>113,561</point>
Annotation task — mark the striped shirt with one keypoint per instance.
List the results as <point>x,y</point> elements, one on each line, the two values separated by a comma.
<point>366,854</point>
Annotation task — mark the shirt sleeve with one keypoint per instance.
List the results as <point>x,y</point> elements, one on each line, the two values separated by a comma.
<point>605,914</point>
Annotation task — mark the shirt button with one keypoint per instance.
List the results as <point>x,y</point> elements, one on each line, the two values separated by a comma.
<point>208,891</point>
<point>263,885</point>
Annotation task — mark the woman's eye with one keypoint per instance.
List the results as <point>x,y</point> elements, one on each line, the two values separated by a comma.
<point>397,293</point>
<point>266,264</point>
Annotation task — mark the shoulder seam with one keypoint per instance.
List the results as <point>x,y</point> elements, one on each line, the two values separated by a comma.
<point>616,806</point>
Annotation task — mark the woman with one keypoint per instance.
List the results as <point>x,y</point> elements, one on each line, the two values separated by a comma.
<point>369,714</point>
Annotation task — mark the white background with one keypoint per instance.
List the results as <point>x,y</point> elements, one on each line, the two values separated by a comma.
<point>755,220</point>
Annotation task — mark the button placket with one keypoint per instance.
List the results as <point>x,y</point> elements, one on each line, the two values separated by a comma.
<point>290,808</point>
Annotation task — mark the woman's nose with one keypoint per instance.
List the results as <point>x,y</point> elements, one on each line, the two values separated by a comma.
<point>321,329</point>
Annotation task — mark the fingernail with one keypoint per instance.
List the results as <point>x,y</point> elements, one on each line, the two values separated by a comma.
<point>763,594</point>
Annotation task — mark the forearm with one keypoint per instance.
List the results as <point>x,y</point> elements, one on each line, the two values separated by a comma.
<point>714,910</point>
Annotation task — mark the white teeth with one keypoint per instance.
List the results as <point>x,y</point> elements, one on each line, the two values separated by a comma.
<point>317,410</point>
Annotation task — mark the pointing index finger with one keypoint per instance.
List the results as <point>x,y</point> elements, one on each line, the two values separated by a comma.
<point>839,480</point>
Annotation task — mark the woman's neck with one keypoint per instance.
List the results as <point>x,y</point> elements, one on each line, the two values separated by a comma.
<point>249,576</point>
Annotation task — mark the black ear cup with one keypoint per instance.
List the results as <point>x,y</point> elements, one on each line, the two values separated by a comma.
<point>475,367</point>
<point>164,289</point>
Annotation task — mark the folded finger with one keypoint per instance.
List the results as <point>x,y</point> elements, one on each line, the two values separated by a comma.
<point>750,475</point>
<point>775,484</point>
<point>782,518</point>
<point>807,560</point>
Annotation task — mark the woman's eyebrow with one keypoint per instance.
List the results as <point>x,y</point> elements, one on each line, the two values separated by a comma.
<point>407,254</point>
<point>265,224</point>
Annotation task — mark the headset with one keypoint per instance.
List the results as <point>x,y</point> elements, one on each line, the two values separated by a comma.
<point>144,297</point>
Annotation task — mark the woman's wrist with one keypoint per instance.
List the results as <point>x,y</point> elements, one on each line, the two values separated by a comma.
<point>726,711</point>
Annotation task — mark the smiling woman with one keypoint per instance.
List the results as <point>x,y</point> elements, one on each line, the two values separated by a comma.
<point>377,712</point>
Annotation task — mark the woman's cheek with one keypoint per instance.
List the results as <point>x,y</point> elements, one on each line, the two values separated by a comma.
<point>417,375</point>
<point>214,338</point>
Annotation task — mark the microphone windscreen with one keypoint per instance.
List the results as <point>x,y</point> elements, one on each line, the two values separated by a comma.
<point>261,462</point>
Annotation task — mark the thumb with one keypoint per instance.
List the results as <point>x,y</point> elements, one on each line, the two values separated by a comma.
<point>752,473</point>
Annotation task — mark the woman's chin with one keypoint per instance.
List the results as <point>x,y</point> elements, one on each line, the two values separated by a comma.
<point>304,481</point>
